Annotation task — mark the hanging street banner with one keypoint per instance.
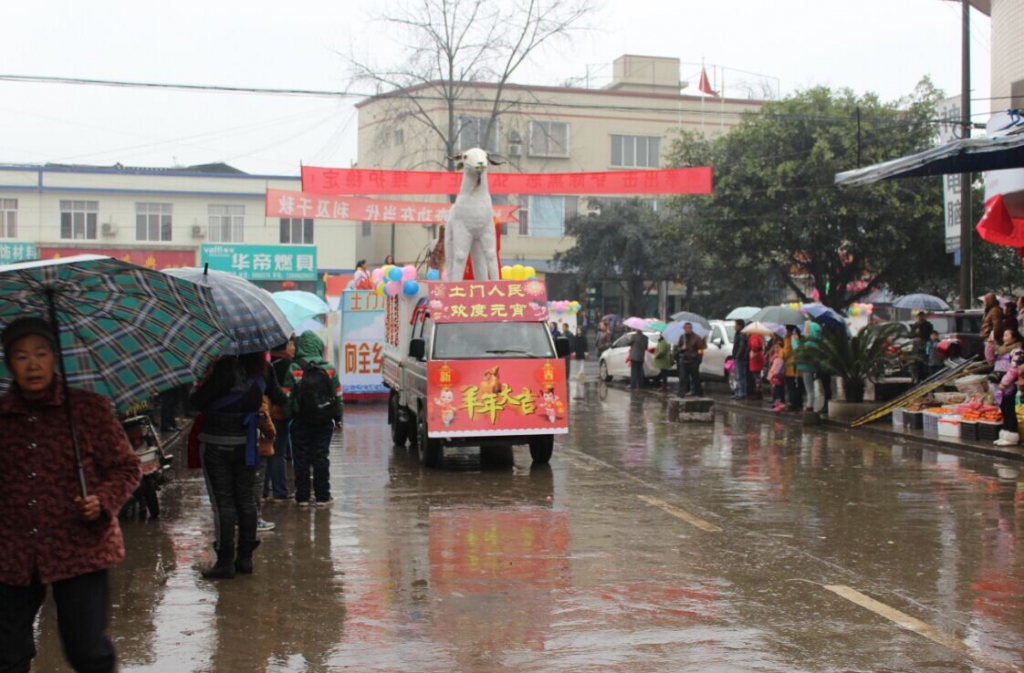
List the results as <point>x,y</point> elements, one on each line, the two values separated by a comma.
<point>17,252</point>
<point>948,111</point>
<point>151,259</point>
<point>497,397</point>
<point>373,182</point>
<point>283,203</point>
<point>261,262</point>
<point>491,301</point>
<point>362,343</point>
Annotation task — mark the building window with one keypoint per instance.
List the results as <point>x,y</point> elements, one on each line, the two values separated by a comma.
<point>547,216</point>
<point>297,231</point>
<point>399,136</point>
<point>367,229</point>
<point>636,151</point>
<point>8,218</point>
<point>78,219</point>
<point>227,224</point>
<point>549,139</point>
<point>524,215</point>
<point>471,133</point>
<point>152,221</point>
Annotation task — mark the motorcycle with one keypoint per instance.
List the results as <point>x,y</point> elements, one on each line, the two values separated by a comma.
<point>156,463</point>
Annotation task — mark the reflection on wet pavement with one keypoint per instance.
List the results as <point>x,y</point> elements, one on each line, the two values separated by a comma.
<point>598,562</point>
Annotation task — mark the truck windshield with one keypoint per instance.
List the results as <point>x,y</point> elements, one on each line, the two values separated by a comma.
<point>468,341</point>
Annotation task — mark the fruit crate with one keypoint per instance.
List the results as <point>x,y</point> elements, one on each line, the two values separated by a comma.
<point>913,420</point>
<point>931,423</point>
<point>988,432</point>
<point>969,430</point>
<point>949,426</point>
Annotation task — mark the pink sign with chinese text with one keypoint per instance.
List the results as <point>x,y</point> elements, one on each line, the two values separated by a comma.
<point>489,301</point>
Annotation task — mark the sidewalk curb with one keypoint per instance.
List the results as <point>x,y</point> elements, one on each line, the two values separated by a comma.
<point>990,451</point>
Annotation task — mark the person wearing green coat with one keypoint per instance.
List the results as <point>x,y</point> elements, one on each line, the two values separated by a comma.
<point>314,405</point>
<point>663,360</point>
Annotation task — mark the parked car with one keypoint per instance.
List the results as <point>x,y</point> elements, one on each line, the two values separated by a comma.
<point>613,361</point>
<point>962,325</point>
<point>718,352</point>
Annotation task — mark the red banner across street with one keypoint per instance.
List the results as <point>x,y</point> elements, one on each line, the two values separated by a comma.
<point>378,182</point>
<point>284,203</point>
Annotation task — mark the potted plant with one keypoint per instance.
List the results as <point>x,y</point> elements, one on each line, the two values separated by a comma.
<point>855,359</point>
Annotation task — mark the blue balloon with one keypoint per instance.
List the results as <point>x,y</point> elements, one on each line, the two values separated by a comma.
<point>433,274</point>
<point>411,287</point>
<point>395,273</point>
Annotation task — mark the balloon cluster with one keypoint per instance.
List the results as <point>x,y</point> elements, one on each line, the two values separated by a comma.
<point>390,280</point>
<point>795,305</point>
<point>518,272</point>
<point>560,307</point>
<point>856,310</point>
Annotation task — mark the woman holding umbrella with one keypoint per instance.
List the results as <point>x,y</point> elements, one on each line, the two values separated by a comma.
<point>53,533</point>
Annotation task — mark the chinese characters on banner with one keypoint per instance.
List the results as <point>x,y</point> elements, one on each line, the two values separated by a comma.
<point>261,262</point>
<point>17,252</point>
<point>362,343</point>
<point>948,111</point>
<point>283,203</point>
<point>469,398</point>
<point>151,259</point>
<point>367,181</point>
<point>491,301</point>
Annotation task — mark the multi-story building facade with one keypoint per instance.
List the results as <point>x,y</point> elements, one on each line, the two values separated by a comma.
<point>1007,85</point>
<point>168,218</point>
<point>628,124</point>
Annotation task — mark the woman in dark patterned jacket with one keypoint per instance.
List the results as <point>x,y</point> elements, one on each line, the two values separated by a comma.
<point>49,533</point>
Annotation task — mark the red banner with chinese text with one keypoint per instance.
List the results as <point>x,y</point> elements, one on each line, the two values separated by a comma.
<point>368,181</point>
<point>284,203</point>
<point>151,259</point>
<point>471,398</point>
<point>489,301</point>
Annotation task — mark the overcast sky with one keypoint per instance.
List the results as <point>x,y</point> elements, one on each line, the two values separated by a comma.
<point>884,46</point>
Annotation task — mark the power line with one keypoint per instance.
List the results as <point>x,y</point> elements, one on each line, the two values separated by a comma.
<point>211,88</point>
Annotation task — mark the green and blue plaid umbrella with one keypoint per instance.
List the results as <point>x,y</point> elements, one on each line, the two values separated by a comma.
<point>126,332</point>
<point>252,317</point>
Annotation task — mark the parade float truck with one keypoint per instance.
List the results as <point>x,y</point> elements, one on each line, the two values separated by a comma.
<point>473,363</point>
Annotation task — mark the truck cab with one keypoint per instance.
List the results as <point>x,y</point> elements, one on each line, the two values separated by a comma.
<point>474,364</point>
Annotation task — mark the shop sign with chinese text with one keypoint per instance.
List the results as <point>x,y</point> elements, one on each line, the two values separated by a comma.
<point>362,343</point>
<point>17,252</point>
<point>474,398</point>
<point>489,301</point>
<point>151,259</point>
<point>261,262</point>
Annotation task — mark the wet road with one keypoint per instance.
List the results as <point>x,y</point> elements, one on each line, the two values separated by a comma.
<point>746,545</point>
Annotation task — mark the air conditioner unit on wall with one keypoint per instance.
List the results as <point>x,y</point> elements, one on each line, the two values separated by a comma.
<point>109,229</point>
<point>198,231</point>
<point>515,150</point>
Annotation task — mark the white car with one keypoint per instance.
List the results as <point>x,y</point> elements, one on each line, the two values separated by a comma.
<point>613,361</point>
<point>719,349</point>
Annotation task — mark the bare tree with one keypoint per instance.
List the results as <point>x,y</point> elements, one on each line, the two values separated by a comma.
<point>456,44</point>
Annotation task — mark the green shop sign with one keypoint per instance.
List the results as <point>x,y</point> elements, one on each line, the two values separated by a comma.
<point>261,262</point>
<point>17,252</point>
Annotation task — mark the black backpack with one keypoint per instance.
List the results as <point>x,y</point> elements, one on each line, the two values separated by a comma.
<point>315,394</point>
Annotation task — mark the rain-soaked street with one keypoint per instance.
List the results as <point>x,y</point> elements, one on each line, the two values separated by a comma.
<point>747,545</point>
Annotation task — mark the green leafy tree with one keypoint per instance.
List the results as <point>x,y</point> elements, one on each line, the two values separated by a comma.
<point>775,205</point>
<point>624,243</point>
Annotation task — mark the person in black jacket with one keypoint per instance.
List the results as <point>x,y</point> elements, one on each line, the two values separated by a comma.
<point>637,353</point>
<point>741,361</point>
<point>229,399</point>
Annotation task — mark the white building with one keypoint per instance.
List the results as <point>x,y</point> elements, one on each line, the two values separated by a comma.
<point>164,218</point>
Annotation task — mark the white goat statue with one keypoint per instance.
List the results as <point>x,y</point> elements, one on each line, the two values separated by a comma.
<point>469,231</point>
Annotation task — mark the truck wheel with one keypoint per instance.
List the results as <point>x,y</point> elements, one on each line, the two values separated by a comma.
<point>604,372</point>
<point>541,448</point>
<point>399,430</point>
<point>429,449</point>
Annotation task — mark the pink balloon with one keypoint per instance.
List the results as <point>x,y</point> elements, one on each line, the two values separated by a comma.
<point>393,287</point>
<point>377,275</point>
<point>408,272</point>
<point>444,275</point>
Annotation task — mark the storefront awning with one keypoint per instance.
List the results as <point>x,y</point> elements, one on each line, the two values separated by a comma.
<point>973,155</point>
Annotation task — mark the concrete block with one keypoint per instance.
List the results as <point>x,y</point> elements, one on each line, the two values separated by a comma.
<point>673,408</point>
<point>697,416</point>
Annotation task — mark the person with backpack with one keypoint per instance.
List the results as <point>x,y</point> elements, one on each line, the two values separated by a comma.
<point>314,405</point>
<point>276,482</point>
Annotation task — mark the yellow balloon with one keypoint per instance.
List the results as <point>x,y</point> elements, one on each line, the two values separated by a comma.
<point>506,273</point>
<point>529,272</point>
<point>517,272</point>
<point>380,289</point>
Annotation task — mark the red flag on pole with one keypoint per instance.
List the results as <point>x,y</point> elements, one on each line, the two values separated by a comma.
<point>705,85</point>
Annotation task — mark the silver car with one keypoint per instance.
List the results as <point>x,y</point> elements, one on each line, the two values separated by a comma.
<point>719,350</point>
<point>613,361</point>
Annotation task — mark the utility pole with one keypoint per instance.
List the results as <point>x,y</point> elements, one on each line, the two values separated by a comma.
<point>966,225</point>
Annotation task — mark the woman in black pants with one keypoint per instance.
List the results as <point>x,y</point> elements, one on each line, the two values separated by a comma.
<point>1009,435</point>
<point>229,400</point>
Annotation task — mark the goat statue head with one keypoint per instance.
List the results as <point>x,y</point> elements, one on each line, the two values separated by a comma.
<point>476,160</point>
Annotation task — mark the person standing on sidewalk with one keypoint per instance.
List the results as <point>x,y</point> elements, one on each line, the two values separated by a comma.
<point>314,405</point>
<point>741,361</point>
<point>637,353</point>
<point>276,482</point>
<point>604,339</point>
<point>755,344</point>
<point>690,349</point>
<point>1009,435</point>
<point>663,360</point>
<point>49,533</point>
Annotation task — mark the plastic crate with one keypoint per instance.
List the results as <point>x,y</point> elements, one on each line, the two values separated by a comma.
<point>949,426</point>
<point>931,423</point>
<point>897,419</point>
<point>969,430</point>
<point>914,420</point>
<point>988,432</point>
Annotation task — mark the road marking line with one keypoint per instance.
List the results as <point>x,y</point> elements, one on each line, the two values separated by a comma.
<point>681,514</point>
<point>919,627</point>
